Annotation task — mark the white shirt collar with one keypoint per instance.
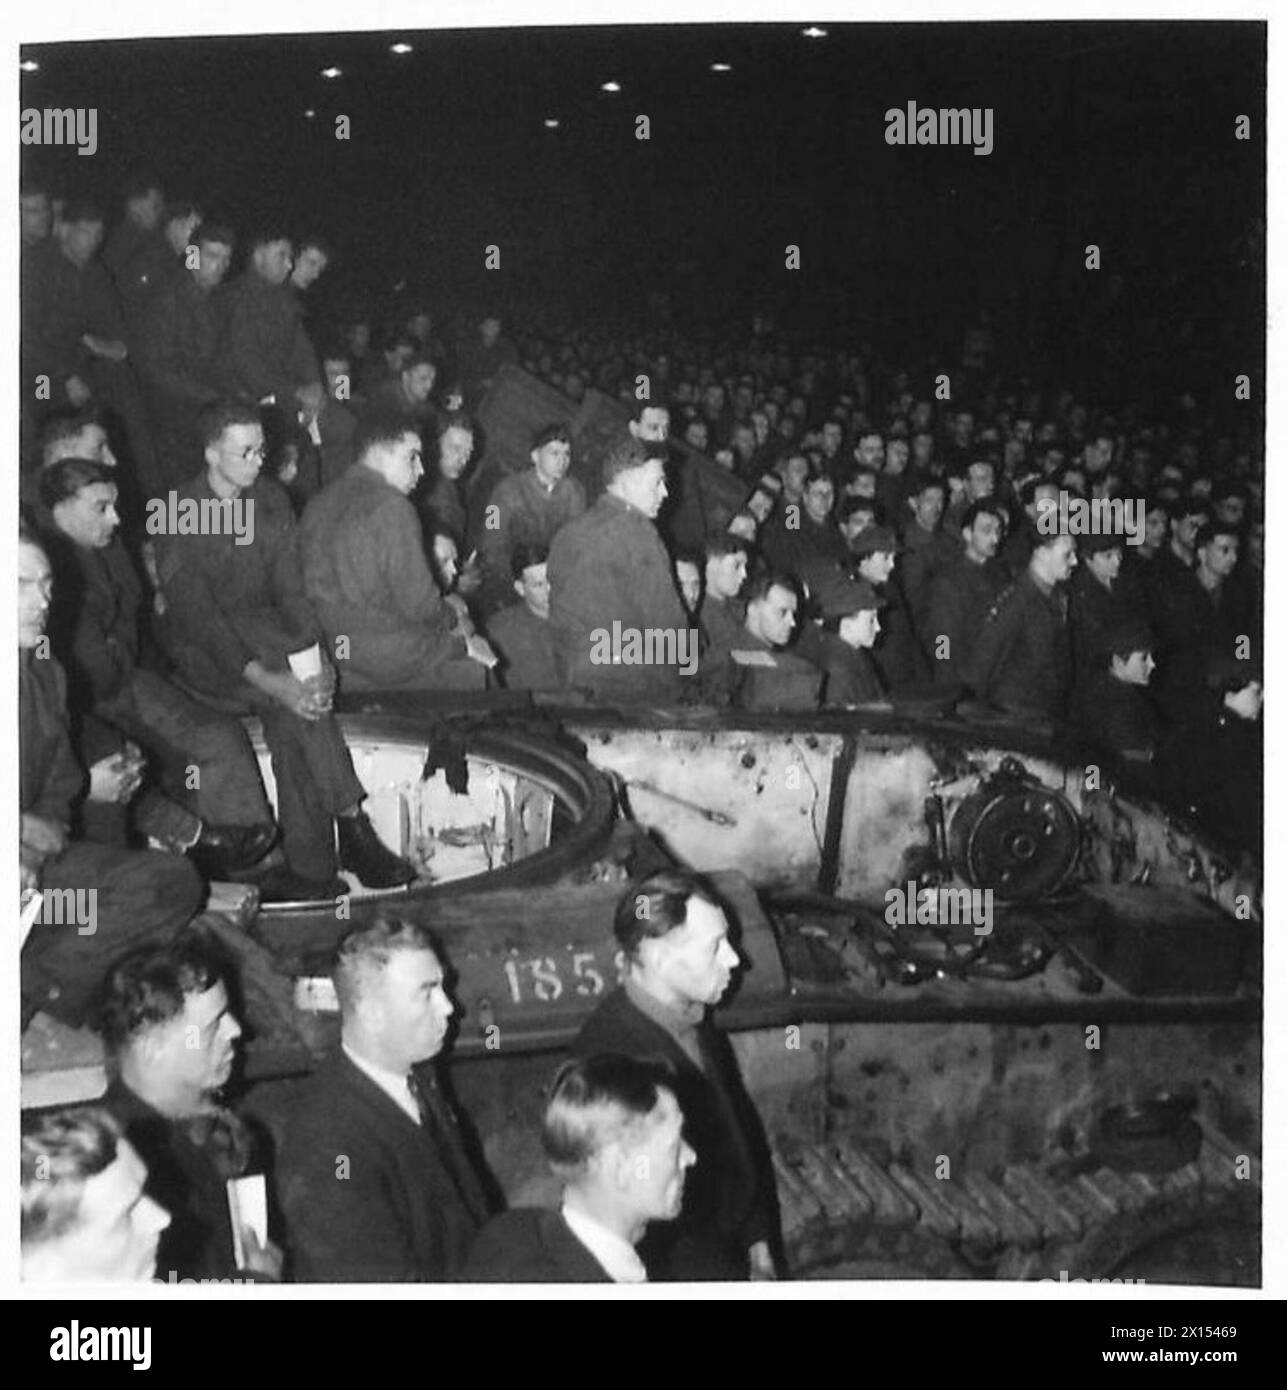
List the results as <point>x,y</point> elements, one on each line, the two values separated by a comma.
<point>393,1085</point>
<point>618,1257</point>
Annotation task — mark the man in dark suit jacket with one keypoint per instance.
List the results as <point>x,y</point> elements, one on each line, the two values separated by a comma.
<point>613,1131</point>
<point>375,1182</point>
<point>680,962</point>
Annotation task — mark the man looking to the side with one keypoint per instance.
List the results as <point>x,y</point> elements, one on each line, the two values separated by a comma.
<point>613,1133</point>
<point>375,1181</point>
<point>367,576</point>
<point>171,1038</point>
<point>679,963</point>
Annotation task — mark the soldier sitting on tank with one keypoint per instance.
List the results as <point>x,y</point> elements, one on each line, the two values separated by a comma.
<point>97,901</point>
<point>97,626</point>
<point>237,613</point>
<point>365,572</point>
<point>613,1132</point>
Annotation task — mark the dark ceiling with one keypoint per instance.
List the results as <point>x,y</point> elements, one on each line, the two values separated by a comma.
<point>1120,134</point>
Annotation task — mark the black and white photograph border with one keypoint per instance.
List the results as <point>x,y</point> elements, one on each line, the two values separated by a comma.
<point>989,1004</point>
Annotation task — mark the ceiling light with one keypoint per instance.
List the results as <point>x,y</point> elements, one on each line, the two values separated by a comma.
<point>611,87</point>
<point>813,32</point>
<point>400,48</point>
<point>332,72</point>
<point>721,67</point>
<point>551,123</point>
<point>29,65</point>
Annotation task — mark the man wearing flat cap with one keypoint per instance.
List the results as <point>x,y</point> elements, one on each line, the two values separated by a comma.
<point>901,657</point>
<point>839,643</point>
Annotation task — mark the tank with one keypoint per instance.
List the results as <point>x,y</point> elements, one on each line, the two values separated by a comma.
<point>1001,1016</point>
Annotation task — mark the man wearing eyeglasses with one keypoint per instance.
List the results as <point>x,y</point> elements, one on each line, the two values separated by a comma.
<point>243,633</point>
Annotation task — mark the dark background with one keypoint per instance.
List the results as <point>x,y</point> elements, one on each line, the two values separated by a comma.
<point>1119,134</point>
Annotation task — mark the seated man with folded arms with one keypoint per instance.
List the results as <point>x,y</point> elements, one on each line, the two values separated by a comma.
<point>613,1132</point>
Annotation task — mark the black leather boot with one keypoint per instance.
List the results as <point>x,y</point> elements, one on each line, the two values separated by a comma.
<point>364,853</point>
<point>222,850</point>
<point>281,885</point>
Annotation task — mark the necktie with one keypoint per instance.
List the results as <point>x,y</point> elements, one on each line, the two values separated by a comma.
<point>440,1125</point>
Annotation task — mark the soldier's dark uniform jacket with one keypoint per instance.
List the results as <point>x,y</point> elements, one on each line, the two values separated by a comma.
<point>140,895</point>
<point>1022,662</point>
<point>1193,625</point>
<point>522,511</point>
<point>264,349</point>
<point>793,550</point>
<point>525,646</point>
<point>959,599</point>
<point>230,604</point>
<point>1213,767</point>
<point>178,359</point>
<point>1117,715</point>
<point>850,676</point>
<point>721,620</point>
<point>784,681</point>
<point>95,626</point>
<point>899,655</point>
<point>925,554</point>
<point>610,566</point>
<point>142,264</point>
<point>94,617</point>
<point>1094,613</point>
<point>60,303</point>
<point>441,509</point>
<point>366,575</point>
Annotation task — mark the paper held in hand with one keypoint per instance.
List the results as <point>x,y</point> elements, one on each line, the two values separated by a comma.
<point>248,1207</point>
<point>306,664</point>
